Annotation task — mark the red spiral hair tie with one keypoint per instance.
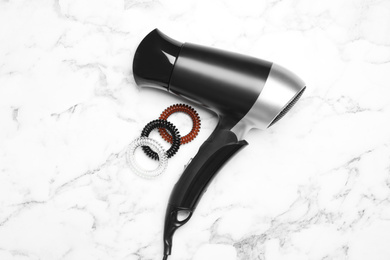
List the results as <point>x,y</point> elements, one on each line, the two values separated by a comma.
<point>184,109</point>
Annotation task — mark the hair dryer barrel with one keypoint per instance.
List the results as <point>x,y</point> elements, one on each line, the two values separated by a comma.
<point>233,85</point>
<point>225,82</point>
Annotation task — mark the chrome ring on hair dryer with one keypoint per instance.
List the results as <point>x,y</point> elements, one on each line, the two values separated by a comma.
<point>244,92</point>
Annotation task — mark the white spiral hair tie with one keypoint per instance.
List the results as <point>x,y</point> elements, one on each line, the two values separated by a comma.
<point>153,144</point>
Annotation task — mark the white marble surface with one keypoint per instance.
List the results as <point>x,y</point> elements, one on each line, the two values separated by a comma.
<point>314,186</point>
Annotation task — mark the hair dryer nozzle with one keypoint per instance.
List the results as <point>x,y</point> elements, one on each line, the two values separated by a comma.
<point>154,60</point>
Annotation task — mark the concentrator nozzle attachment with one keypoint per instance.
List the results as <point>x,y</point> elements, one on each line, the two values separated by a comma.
<point>154,60</point>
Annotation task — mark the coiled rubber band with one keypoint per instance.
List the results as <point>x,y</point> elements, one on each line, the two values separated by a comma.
<point>143,141</point>
<point>185,109</point>
<point>158,123</point>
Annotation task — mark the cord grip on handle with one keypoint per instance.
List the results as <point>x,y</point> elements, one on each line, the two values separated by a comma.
<point>173,222</point>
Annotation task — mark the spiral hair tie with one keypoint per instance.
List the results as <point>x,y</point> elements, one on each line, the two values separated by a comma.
<point>158,123</point>
<point>143,141</point>
<point>185,109</point>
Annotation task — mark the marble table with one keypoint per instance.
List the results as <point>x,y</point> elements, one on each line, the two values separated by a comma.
<point>314,186</point>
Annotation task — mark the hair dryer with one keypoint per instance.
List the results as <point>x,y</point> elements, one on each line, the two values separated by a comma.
<point>245,93</point>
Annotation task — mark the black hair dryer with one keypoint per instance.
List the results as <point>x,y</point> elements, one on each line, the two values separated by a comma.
<point>245,92</point>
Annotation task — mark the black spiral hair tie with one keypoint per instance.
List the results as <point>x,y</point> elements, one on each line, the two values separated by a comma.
<point>159,123</point>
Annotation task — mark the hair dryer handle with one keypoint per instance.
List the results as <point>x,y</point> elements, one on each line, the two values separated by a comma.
<point>212,155</point>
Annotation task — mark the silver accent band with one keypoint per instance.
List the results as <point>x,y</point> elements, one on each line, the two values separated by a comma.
<point>279,90</point>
